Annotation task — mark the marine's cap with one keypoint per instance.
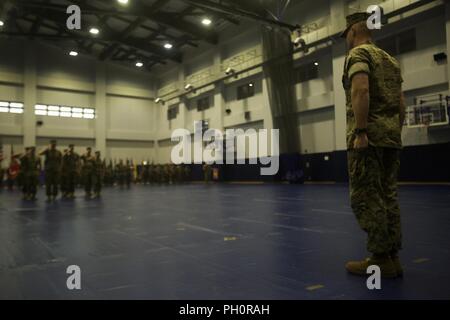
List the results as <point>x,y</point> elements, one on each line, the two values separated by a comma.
<point>352,19</point>
<point>71,146</point>
<point>52,141</point>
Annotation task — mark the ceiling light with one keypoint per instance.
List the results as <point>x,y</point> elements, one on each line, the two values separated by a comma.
<point>139,64</point>
<point>229,71</point>
<point>1,23</point>
<point>160,100</point>
<point>206,21</point>
<point>250,84</point>
<point>316,63</point>
<point>73,53</point>
<point>122,1</point>
<point>94,31</point>
<point>168,46</point>
<point>188,87</point>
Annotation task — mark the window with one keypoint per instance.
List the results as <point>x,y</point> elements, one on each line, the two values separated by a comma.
<point>400,43</point>
<point>64,112</point>
<point>246,91</point>
<point>172,112</point>
<point>307,72</point>
<point>11,107</point>
<point>203,104</point>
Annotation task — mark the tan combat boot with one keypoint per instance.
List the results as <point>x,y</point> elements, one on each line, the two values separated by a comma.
<point>385,263</point>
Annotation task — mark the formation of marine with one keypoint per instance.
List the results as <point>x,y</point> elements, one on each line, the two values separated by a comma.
<point>64,171</point>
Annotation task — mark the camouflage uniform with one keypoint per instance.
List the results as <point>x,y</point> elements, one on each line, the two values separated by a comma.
<point>373,171</point>
<point>179,173</point>
<point>171,171</point>
<point>145,174</point>
<point>187,173</point>
<point>53,160</point>
<point>120,172</point>
<point>207,173</point>
<point>88,172</point>
<point>158,174</point>
<point>152,174</point>
<point>30,167</point>
<point>97,176</point>
<point>109,175</point>
<point>128,173</point>
<point>69,172</point>
<point>2,175</point>
<point>2,172</point>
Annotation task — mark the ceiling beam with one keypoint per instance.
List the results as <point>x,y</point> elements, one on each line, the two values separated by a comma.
<point>214,14</point>
<point>62,37</point>
<point>136,9</point>
<point>109,36</point>
<point>237,11</point>
<point>159,4</point>
<point>63,34</point>
<point>161,32</point>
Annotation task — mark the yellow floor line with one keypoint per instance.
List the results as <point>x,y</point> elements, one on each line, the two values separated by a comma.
<point>315,287</point>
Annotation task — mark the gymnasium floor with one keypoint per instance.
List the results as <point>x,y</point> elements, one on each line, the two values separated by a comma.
<point>215,242</point>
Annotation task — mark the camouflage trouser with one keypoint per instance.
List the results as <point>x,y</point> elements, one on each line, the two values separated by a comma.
<point>121,179</point>
<point>2,174</point>
<point>373,195</point>
<point>88,180</point>
<point>30,183</point>
<point>207,176</point>
<point>97,183</point>
<point>51,183</point>
<point>68,181</point>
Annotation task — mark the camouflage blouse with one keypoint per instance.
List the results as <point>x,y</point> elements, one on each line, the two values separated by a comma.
<point>385,81</point>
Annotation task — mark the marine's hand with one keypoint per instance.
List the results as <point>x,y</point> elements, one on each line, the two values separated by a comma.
<point>361,141</point>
